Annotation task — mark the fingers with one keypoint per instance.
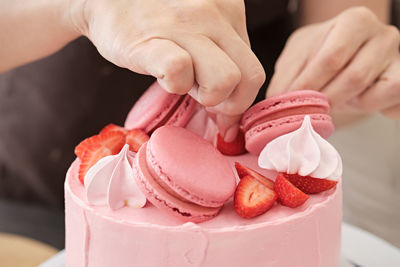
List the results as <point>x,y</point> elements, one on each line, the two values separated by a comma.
<point>363,69</point>
<point>384,95</point>
<point>216,74</point>
<point>392,112</point>
<point>291,61</point>
<point>166,61</point>
<point>349,32</point>
<point>251,72</point>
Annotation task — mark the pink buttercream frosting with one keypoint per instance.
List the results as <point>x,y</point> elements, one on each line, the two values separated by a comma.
<point>303,152</point>
<point>110,182</point>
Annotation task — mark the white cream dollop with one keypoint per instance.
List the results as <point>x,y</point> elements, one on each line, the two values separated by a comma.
<point>303,152</point>
<point>111,182</point>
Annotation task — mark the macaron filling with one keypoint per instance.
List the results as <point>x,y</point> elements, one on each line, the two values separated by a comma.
<point>163,118</point>
<point>163,199</point>
<point>302,110</point>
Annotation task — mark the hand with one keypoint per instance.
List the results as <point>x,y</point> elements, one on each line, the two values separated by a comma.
<point>353,59</point>
<point>179,42</point>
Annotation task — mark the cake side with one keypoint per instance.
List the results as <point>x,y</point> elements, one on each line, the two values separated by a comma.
<point>305,236</point>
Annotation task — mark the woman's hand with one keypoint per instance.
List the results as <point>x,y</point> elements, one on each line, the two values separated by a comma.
<point>353,59</point>
<point>179,42</point>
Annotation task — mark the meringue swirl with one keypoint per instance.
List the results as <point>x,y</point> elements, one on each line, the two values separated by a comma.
<point>111,182</point>
<point>303,152</point>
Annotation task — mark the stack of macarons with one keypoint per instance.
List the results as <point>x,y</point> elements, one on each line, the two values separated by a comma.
<point>156,108</point>
<point>282,114</point>
<point>183,174</point>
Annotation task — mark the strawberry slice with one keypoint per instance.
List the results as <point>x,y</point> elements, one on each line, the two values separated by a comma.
<point>234,148</point>
<point>288,194</point>
<point>135,138</point>
<point>112,127</point>
<point>310,185</point>
<point>246,171</point>
<point>109,143</point>
<point>252,198</point>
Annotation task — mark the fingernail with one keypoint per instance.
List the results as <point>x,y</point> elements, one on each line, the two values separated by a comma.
<point>231,133</point>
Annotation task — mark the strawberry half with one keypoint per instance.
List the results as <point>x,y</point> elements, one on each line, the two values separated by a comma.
<point>101,145</point>
<point>111,128</point>
<point>246,171</point>
<point>253,198</point>
<point>234,148</point>
<point>288,194</point>
<point>135,138</point>
<point>310,185</point>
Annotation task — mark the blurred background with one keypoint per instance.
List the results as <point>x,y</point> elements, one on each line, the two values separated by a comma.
<point>49,106</point>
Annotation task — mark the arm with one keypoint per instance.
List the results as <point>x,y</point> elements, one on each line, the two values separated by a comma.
<point>32,29</point>
<point>181,43</point>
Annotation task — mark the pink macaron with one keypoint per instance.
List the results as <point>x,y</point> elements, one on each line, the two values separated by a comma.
<point>282,114</point>
<point>156,108</point>
<point>183,174</point>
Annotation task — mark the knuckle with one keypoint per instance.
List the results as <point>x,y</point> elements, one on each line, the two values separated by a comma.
<point>176,64</point>
<point>203,7</point>
<point>361,15</point>
<point>334,59</point>
<point>227,81</point>
<point>393,35</point>
<point>357,77</point>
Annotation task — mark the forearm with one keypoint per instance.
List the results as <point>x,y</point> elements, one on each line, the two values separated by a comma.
<point>32,29</point>
<point>313,11</point>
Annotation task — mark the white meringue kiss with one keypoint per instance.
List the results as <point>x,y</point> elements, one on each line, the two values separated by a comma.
<point>111,182</point>
<point>304,152</point>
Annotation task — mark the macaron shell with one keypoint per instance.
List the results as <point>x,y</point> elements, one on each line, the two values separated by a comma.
<point>160,198</point>
<point>258,137</point>
<point>183,113</point>
<point>292,103</point>
<point>151,108</point>
<point>191,166</point>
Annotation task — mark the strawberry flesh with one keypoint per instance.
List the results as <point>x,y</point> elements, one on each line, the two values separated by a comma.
<point>246,171</point>
<point>112,127</point>
<point>310,185</point>
<point>135,138</point>
<point>288,194</point>
<point>101,145</point>
<point>234,148</point>
<point>252,198</point>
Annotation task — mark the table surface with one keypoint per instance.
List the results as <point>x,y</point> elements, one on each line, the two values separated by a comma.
<point>18,251</point>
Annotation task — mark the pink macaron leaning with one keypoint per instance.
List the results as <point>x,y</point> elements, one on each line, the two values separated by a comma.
<point>183,174</point>
<point>282,114</point>
<point>156,108</point>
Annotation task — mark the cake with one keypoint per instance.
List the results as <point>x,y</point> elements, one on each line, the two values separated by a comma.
<point>123,231</point>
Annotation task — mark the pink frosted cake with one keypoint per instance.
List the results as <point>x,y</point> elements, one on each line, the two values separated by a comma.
<point>109,223</point>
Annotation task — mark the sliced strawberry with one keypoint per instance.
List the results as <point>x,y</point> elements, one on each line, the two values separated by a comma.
<point>112,127</point>
<point>85,144</point>
<point>252,198</point>
<point>234,148</point>
<point>136,138</point>
<point>109,143</point>
<point>246,171</point>
<point>310,185</point>
<point>288,194</point>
